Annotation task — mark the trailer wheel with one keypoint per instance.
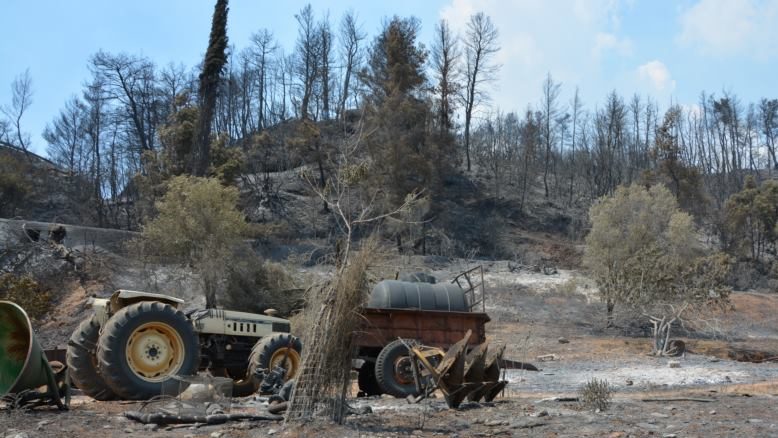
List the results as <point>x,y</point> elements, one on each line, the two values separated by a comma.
<point>280,349</point>
<point>143,345</point>
<point>366,379</point>
<point>82,361</point>
<point>393,371</point>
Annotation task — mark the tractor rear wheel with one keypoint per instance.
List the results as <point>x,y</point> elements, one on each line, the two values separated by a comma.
<point>82,361</point>
<point>143,346</point>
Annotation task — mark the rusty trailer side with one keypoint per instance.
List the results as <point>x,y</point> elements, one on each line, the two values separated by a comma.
<point>430,327</point>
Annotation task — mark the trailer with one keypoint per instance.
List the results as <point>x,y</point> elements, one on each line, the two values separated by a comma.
<point>430,314</point>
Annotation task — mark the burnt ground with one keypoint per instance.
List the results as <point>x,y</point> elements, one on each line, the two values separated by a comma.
<point>709,394</point>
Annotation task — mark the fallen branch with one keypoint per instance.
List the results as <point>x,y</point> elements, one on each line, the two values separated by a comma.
<point>701,400</point>
<point>159,418</point>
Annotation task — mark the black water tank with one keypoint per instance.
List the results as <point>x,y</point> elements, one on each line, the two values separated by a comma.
<point>394,294</point>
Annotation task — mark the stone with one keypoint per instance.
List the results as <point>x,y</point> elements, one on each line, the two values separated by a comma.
<point>712,413</point>
<point>543,413</point>
<point>271,432</point>
<point>669,435</point>
<point>659,415</point>
<point>673,364</point>
<point>629,382</point>
<point>217,434</point>
<point>563,341</point>
<point>151,427</point>
<point>20,435</point>
<point>128,430</point>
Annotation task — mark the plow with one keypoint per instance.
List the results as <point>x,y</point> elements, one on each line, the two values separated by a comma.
<point>456,373</point>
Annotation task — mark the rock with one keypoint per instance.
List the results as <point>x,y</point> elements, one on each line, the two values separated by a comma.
<point>42,424</point>
<point>669,435</point>
<point>217,434</point>
<point>19,435</point>
<point>673,364</point>
<point>271,432</point>
<point>563,341</point>
<point>128,430</point>
<point>659,415</point>
<point>646,426</point>
<point>417,432</point>
<point>629,382</point>
<point>493,423</point>
<point>107,426</point>
<point>755,420</point>
<point>617,435</point>
<point>712,413</point>
<point>543,413</point>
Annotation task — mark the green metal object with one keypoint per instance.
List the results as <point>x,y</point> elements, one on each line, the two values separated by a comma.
<point>24,369</point>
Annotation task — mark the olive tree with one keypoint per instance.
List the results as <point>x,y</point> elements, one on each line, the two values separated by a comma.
<point>198,223</point>
<point>644,254</point>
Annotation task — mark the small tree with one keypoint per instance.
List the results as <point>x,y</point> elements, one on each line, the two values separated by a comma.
<point>750,227</point>
<point>198,224</point>
<point>644,254</point>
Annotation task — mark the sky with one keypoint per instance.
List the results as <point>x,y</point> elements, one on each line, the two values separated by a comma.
<point>669,50</point>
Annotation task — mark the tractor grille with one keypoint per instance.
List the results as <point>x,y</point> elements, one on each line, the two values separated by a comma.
<point>281,327</point>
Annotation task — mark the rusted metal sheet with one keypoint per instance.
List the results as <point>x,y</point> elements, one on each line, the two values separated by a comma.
<point>438,328</point>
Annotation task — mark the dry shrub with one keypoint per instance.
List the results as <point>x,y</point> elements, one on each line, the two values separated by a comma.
<point>254,285</point>
<point>331,316</point>
<point>595,394</point>
<point>27,293</point>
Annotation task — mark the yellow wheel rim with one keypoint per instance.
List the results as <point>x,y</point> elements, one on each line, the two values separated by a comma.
<point>291,364</point>
<point>155,351</point>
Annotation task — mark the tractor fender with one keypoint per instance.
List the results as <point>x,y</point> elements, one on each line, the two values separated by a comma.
<point>122,298</point>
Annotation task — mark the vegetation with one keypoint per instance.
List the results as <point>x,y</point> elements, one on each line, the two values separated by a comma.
<point>643,252</point>
<point>198,224</point>
<point>595,395</point>
<point>27,293</point>
<point>751,220</point>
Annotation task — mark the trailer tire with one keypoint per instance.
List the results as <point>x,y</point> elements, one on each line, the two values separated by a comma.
<point>82,361</point>
<point>270,352</point>
<point>143,345</point>
<point>392,373</point>
<point>366,379</point>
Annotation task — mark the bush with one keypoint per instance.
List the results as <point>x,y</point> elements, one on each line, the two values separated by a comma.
<point>198,224</point>
<point>254,285</point>
<point>27,293</point>
<point>595,394</point>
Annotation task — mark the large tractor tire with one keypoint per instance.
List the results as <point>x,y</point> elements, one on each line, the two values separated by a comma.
<point>82,361</point>
<point>366,379</point>
<point>394,371</point>
<point>142,346</point>
<point>280,349</point>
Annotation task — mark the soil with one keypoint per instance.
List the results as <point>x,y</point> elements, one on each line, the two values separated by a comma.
<point>709,393</point>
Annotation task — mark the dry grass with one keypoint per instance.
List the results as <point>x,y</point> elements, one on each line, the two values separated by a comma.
<point>331,316</point>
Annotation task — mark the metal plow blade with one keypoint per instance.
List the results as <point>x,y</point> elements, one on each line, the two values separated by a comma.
<point>459,375</point>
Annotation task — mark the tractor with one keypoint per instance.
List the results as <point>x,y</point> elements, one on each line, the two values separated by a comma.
<point>136,342</point>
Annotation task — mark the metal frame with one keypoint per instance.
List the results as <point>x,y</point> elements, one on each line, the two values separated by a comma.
<point>471,291</point>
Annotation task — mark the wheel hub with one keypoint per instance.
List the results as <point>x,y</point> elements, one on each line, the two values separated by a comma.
<point>403,370</point>
<point>287,358</point>
<point>155,351</point>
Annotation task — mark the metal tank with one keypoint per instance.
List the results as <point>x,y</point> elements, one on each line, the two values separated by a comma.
<point>395,294</point>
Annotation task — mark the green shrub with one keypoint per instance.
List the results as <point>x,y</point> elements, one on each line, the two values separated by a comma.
<point>26,292</point>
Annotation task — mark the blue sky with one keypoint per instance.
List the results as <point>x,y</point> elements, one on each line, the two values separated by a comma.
<point>671,50</point>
